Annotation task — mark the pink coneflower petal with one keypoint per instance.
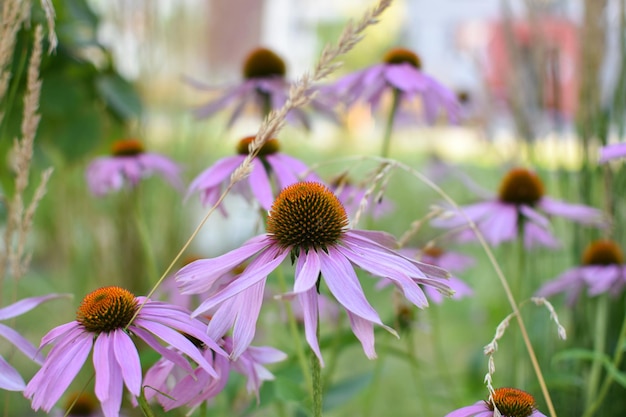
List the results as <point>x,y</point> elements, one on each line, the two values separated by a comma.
<point>363,329</point>
<point>245,323</point>
<point>10,379</point>
<point>580,213</point>
<point>199,276</point>
<point>260,184</point>
<point>258,270</point>
<point>21,343</point>
<point>307,272</point>
<point>617,150</point>
<point>405,78</point>
<point>310,311</point>
<point>127,358</point>
<point>348,290</point>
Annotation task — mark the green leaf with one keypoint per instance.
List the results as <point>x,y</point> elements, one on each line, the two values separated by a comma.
<point>342,392</point>
<point>618,376</point>
<point>120,96</point>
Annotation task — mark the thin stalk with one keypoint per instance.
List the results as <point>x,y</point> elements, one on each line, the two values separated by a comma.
<point>518,365</point>
<point>295,335</point>
<point>316,374</point>
<point>144,237</point>
<point>420,386</point>
<point>390,120</point>
<point>599,347</point>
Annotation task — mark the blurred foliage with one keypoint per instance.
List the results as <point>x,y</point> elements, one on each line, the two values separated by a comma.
<point>84,100</point>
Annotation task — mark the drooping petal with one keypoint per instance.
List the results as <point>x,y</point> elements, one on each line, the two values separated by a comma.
<point>247,316</point>
<point>307,272</point>
<point>199,276</point>
<point>344,284</point>
<point>578,212</point>
<point>478,409</point>
<point>127,359</point>
<point>260,185</point>
<point>364,331</point>
<point>21,343</point>
<point>10,379</point>
<point>258,270</point>
<point>310,311</point>
<point>177,340</point>
<point>24,305</point>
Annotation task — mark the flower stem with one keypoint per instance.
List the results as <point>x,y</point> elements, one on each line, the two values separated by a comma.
<point>316,374</point>
<point>599,346</point>
<point>390,120</point>
<point>295,334</point>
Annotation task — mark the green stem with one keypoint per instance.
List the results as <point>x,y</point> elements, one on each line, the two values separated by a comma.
<point>390,120</point>
<point>295,334</point>
<point>599,347</point>
<point>316,374</point>
<point>439,352</point>
<point>518,363</point>
<point>144,236</point>
<point>420,387</point>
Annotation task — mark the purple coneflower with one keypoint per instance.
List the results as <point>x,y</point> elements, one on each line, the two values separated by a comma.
<point>10,379</point>
<point>308,222</point>
<point>264,86</point>
<point>183,388</point>
<point>602,270</point>
<point>129,164</point>
<point>614,151</point>
<point>401,73</point>
<point>103,325</point>
<point>269,162</point>
<point>519,207</point>
<point>510,402</point>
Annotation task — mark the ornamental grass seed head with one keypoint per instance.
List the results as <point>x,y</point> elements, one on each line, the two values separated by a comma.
<point>307,223</point>
<point>519,207</point>
<point>103,327</point>
<point>128,165</point>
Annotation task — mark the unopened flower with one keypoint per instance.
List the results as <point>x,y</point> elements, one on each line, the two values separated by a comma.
<point>128,165</point>
<point>450,261</point>
<point>269,163</point>
<point>308,223</point>
<point>355,198</point>
<point>103,327</point>
<point>519,207</point>
<point>509,402</point>
<point>602,270</point>
<point>263,86</point>
<point>401,73</point>
<point>10,379</point>
<point>173,387</point>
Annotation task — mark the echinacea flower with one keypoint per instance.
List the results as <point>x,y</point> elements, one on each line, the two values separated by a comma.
<point>509,402</point>
<point>264,86</point>
<point>614,151</point>
<point>128,165</point>
<point>308,222</point>
<point>602,270</point>
<point>269,162</point>
<point>10,379</point>
<point>191,389</point>
<point>401,73</point>
<point>103,326</point>
<point>519,207</point>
